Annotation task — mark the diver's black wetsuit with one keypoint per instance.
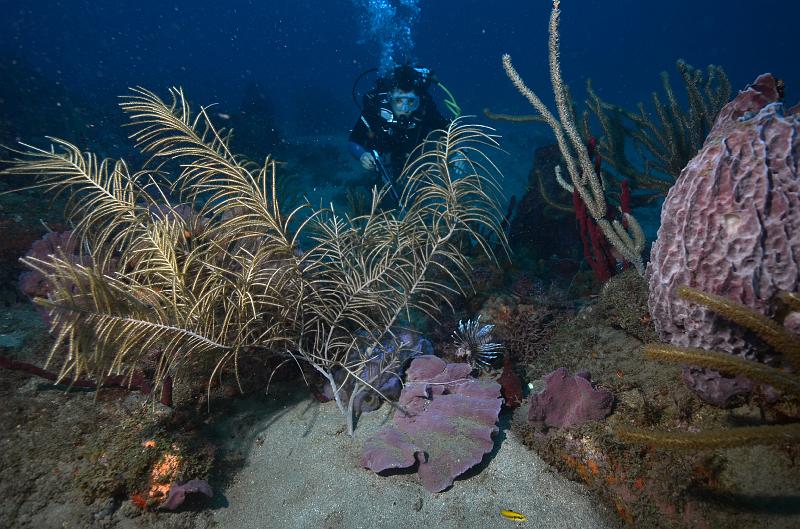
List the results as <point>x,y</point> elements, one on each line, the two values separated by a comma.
<point>379,129</point>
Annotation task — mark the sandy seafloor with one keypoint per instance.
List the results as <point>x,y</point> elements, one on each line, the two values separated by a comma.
<point>303,471</point>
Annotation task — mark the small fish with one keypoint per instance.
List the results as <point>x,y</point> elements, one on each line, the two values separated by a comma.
<point>223,115</point>
<point>513,515</point>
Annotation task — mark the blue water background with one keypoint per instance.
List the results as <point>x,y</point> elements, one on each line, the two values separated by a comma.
<point>307,54</point>
<point>304,55</point>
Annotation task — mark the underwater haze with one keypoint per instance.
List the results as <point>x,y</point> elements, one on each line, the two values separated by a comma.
<point>306,54</point>
<point>380,264</point>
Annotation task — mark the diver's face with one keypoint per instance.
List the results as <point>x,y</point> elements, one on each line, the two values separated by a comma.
<point>404,103</point>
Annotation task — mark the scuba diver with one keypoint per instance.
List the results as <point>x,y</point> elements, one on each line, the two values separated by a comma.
<point>396,116</point>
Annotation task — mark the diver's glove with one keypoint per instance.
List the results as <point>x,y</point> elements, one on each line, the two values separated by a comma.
<point>367,161</point>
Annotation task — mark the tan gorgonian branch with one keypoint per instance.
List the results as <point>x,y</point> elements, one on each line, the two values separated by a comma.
<point>585,180</point>
<point>771,332</point>
<point>192,287</point>
<point>525,118</point>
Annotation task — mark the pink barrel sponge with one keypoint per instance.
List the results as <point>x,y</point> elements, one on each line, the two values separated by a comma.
<point>731,223</point>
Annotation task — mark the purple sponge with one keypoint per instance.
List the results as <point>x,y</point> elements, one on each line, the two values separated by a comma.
<point>568,401</point>
<point>177,493</point>
<point>449,427</point>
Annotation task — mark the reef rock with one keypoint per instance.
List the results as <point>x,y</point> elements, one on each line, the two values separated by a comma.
<point>731,223</point>
<point>510,385</point>
<point>720,390</point>
<point>449,426</point>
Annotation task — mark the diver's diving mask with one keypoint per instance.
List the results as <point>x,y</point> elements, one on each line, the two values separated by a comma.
<point>404,103</point>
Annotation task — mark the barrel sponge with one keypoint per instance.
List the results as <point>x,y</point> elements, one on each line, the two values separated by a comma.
<point>730,225</point>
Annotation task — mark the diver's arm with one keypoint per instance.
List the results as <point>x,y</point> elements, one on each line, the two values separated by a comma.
<point>360,138</point>
<point>356,149</point>
<point>362,144</point>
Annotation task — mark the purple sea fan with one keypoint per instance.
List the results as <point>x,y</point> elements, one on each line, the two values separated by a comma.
<point>387,381</point>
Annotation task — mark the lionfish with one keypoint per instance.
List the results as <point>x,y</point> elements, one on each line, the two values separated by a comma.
<point>474,343</point>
